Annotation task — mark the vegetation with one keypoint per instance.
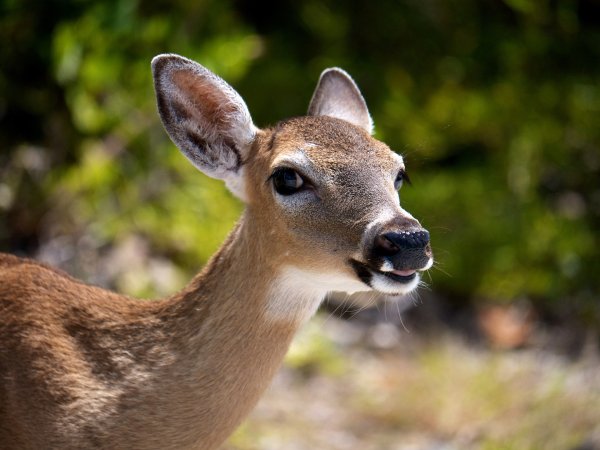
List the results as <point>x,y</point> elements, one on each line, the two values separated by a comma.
<point>495,106</point>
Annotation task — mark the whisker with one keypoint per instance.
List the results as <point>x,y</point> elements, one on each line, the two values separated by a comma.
<point>360,309</point>
<point>340,305</point>
<point>402,321</point>
<point>437,267</point>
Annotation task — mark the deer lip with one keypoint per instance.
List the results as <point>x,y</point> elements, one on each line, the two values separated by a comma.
<point>402,276</point>
<point>403,273</point>
<point>366,272</point>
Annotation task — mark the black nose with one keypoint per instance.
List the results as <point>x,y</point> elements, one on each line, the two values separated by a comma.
<point>391,243</point>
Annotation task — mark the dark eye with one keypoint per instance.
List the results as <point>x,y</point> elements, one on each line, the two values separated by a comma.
<point>287,181</point>
<point>401,178</point>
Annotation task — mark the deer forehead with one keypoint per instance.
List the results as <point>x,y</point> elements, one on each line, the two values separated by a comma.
<point>330,148</point>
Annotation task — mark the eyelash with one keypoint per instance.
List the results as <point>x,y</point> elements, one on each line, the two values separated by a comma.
<point>406,178</point>
<point>401,178</point>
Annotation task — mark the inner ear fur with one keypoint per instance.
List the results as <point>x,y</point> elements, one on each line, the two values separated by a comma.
<point>204,116</point>
<point>337,95</point>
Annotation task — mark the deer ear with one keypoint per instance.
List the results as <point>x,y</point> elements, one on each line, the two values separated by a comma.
<point>205,117</point>
<point>338,96</point>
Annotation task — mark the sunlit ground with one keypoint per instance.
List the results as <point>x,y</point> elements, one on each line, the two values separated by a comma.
<point>380,386</point>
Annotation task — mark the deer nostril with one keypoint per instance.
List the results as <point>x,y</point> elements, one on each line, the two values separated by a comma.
<point>407,239</point>
<point>386,246</point>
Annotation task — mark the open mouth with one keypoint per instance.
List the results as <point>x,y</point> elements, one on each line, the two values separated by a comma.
<point>388,282</point>
<point>401,276</point>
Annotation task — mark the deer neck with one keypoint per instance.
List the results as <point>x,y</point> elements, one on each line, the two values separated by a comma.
<point>248,283</point>
<point>231,327</point>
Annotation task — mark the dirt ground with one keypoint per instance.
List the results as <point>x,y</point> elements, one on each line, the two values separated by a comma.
<point>381,383</point>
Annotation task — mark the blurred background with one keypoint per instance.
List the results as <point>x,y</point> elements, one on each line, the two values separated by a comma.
<point>495,107</point>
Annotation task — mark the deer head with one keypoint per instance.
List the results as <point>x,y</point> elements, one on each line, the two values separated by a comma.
<point>321,191</point>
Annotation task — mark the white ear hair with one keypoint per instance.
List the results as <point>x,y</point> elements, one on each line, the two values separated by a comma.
<point>205,117</point>
<point>337,95</point>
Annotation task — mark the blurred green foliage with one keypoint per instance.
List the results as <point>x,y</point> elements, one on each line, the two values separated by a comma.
<point>494,104</point>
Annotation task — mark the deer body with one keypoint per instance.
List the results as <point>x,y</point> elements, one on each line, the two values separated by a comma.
<point>81,367</point>
<point>114,372</point>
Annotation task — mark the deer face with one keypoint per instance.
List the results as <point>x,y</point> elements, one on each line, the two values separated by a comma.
<point>321,191</point>
<point>328,191</point>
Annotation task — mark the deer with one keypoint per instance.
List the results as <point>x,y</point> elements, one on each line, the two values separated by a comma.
<point>83,367</point>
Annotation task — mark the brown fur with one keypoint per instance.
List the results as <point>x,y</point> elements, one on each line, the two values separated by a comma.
<point>86,368</point>
<point>81,367</point>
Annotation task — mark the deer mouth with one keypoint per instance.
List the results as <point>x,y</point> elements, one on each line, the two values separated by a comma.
<point>395,282</point>
<point>402,276</point>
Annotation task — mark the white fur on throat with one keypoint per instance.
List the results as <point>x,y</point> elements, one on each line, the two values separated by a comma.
<point>296,294</point>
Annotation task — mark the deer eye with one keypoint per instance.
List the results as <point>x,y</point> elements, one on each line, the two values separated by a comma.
<point>400,179</point>
<point>287,181</point>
